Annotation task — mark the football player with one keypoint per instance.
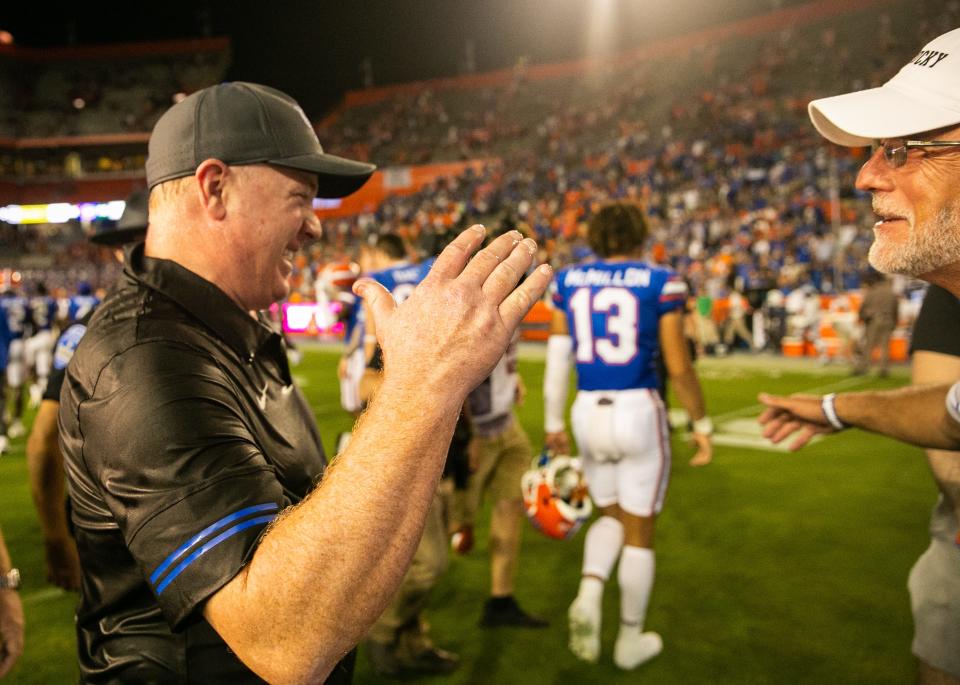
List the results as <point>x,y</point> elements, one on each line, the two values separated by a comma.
<point>16,308</point>
<point>38,347</point>
<point>612,316</point>
<point>81,304</point>
<point>4,349</point>
<point>353,360</point>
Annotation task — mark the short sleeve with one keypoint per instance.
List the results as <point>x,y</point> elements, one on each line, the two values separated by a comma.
<point>937,328</point>
<point>166,439</point>
<point>672,296</point>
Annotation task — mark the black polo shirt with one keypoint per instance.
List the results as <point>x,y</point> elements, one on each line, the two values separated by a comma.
<point>183,437</point>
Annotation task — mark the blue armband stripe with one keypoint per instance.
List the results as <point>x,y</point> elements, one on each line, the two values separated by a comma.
<point>209,530</point>
<point>182,566</point>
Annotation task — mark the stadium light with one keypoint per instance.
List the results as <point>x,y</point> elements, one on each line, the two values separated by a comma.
<point>600,28</point>
<point>61,212</point>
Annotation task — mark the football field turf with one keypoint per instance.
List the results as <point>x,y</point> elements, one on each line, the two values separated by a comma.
<point>771,567</point>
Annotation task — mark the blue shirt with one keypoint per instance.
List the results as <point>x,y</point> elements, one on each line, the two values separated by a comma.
<point>81,305</point>
<point>401,279</point>
<point>613,312</point>
<point>44,311</point>
<point>17,313</point>
<point>5,339</point>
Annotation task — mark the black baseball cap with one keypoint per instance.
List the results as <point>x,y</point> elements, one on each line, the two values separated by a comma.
<point>131,227</point>
<point>246,123</point>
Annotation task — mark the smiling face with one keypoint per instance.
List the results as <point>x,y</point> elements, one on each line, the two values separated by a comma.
<point>918,209</point>
<point>270,212</point>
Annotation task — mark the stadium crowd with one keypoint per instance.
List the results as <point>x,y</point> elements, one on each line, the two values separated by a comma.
<point>740,193</point>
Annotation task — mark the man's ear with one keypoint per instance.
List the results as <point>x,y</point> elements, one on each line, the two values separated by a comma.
<point>211,176</point>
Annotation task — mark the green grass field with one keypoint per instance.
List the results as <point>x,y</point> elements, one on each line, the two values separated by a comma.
<point>771,567</point>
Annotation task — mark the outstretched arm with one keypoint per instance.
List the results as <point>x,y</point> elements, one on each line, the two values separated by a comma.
<point>916,414</point>
<point>326,569</point>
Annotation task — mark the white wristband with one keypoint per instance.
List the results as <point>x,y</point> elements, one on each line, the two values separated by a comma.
<point>829,411</point>
<point>703,426</point>
<point>953,401</point>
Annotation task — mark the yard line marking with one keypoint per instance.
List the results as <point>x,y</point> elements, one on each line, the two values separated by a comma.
<point>43,595</point>
<point>843,384</point>
<point>739,428</point>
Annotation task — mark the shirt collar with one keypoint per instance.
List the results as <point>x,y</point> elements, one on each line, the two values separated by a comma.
<point>202,299</point>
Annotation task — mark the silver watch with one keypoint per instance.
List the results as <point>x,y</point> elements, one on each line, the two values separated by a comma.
<point>10,580</point>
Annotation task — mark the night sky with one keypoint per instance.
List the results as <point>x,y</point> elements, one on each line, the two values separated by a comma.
<point>314,50</point>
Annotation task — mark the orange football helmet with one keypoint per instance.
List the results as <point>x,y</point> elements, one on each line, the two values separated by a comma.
<point>555,496</point>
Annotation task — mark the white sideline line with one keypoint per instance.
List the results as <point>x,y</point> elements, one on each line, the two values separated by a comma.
<point>843,384</point>
<point>43,595</point>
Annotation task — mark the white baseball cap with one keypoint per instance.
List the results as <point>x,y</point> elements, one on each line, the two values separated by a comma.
<point>923,96</point>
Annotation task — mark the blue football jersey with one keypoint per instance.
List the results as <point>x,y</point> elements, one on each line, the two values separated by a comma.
<point>5,339</point>
<point>43,309</point>
<point>613,311</point>
<point>400,280</point>
<point>81,305</point>
<point>17,312</point>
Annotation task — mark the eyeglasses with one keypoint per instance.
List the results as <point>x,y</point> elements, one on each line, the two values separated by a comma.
<point>895,149</point>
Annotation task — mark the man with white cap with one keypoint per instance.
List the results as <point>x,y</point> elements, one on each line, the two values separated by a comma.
<point>209,552</point>
<point>913,122</point>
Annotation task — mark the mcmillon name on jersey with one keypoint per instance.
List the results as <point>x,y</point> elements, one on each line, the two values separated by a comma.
<point>409,274</point>
<point>629,277</point>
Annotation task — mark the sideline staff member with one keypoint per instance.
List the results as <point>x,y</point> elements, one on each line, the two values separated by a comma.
<point>208,555</point>
<point>914,122</point>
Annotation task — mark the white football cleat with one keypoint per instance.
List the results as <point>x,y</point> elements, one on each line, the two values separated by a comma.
<point>634,648</point>
<point>584,617</point>
<point>16,430</point>
<point>4,444</point>
<point>36,395</point>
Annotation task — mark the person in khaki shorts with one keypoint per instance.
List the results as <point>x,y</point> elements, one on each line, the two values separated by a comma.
<point>500,453</point>
<point>879,316</point>
<point>399,642</point>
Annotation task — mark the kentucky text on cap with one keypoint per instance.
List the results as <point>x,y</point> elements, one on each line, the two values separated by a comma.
<point>923,96</point>
<point>246,123</point>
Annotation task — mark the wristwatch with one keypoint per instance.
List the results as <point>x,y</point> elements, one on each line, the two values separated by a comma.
<point>10,580</point>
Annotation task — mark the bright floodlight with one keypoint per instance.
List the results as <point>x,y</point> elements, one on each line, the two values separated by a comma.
<point>600,28</point>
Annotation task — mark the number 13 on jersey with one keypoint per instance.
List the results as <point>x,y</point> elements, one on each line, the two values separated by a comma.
<point>620,309</point>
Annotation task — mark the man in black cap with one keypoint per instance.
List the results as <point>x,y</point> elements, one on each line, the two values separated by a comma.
<point>43,444</point>
<point>209,552</point>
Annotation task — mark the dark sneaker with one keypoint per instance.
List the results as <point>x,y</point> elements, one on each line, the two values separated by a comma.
<point>504,611</point>
<point>433,660</point>
<point>383,658</point>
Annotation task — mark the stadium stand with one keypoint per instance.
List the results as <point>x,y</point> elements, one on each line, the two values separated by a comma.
<point>708,130</point>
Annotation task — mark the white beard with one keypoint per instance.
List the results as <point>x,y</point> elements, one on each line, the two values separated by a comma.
<point>928,248</point>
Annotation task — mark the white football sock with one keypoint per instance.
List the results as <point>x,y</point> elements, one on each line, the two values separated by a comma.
<point>602,547</point>
<point>636,581</point>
